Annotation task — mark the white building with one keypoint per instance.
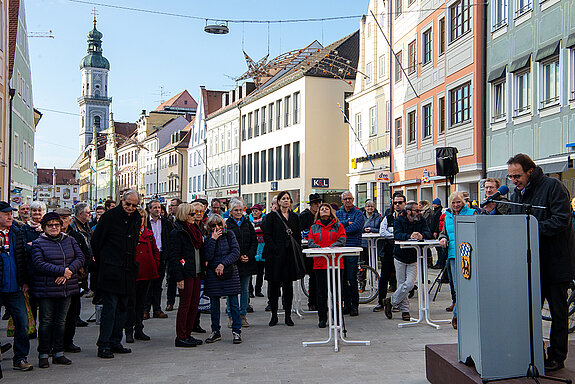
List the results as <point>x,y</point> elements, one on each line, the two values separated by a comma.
<point>57,188</point>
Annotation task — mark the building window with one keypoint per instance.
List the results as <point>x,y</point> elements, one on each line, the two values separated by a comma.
<point>398,132</point>
<point>426,127</point>
<point>372,121</point>
<point>230,179</point>
<point>296,107</point>
<point>244,171</point>
<point>96,123</point>
<point>441,36</point>
<point>550,82</point>
<point>460,99</point>
<point>412,58</point>
<point>441,112</point>
<point>398,64</point>
<point>271,116</point>
<point>278,114</point>
<point>263,167</point>
<point>229,138</point>
<point>411,127</point>
<point>257,122</point>
<point>250,169</point>
<point>358,126</point>
<point>460,13</point>
<point>287,161</point>
<point>250,129</point>
<point>256,167</point>
<point>222,177</point>
<point>236,137</point>
<point>382,66</point>
<point>572,74</point>
<point>296,161</point>
<point>368,29</point>
<point>264,117</point>
<point>243,127</point>
<point>368,72</point>
<point>427,46</point>
<point>498,100</point>
<point>287,111</point>
<point>236,173</point>
<point>398,8</point>
<point>522,6</point>
<point>271,164</point>
<point>278,163</point>
<point>387,116</point>
<point>498,14</point>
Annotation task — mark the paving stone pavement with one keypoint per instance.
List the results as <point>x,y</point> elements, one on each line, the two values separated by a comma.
<point>267,354</point>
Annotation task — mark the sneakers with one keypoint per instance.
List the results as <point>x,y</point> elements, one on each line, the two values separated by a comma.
<point>245,321</point>
<point>62,360</point>
<point>387,307</point>
<point>193,340</point>
<point>215,336</point>
<point>405,316</point>
<point>22,365</point>
<point>237,339</point>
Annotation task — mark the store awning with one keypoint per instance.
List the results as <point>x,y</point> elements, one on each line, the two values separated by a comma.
<point>548,51</point>
<point>520,63</point>
<point>558,165</point>
<point>497,74</point>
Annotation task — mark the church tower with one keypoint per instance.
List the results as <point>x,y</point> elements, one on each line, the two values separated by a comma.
<point>94,102</point>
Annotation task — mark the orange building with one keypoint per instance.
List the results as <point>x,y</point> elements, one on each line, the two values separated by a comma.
<point>437,95</point>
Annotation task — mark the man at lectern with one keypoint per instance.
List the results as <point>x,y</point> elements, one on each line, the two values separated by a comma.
<point>556,245</point>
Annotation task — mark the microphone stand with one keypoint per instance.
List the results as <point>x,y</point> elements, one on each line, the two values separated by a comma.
<point>532,371</point>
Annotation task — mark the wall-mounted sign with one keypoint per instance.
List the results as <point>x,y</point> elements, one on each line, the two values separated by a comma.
<point>232,191</point>
<point>383,176</point>
<point>425,176</point>
<point>274,186</point>
<point>373,156</point>
<point>319,182</point>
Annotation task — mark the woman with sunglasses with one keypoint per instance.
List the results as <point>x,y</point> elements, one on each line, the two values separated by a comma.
<point>56,258</point>
<point>185,257</point>
<point>446,238</point>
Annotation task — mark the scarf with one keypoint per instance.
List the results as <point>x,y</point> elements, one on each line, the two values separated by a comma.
<point>195,234</point>
<point>34,225</point>
<point>325,222</point>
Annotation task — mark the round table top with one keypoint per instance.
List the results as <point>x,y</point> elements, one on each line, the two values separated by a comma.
<point>369,235</point>
<point>333,250</point>
<point>417,242</point>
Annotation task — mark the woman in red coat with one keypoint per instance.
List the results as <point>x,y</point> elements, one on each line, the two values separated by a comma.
<point>148,258</point>
<point>326,232</point>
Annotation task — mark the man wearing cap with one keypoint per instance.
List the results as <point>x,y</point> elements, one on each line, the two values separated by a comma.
<point>306,220</point>
<point>73,316</point>
<point>114,247</point>
<point>14,283</point>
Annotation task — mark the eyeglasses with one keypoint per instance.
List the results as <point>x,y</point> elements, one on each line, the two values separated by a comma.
<point>415,210</point>
<point>347,198</point>
<point>130,204</point>
<point>56,225</point>
<point>515,177</point>
<point>398,202</point>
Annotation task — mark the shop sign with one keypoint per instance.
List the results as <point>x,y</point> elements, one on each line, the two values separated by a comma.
<point>383,176</point>
<point>425,176</point>
<point>319,182</point>
<point>232,191</point>
<point>274,186</point>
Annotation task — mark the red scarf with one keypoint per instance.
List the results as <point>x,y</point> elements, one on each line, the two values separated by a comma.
<point>195,234</point>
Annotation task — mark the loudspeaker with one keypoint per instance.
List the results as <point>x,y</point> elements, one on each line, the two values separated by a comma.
<point>446,161</point>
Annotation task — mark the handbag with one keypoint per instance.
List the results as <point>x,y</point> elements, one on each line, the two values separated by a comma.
<point>296,263</point>
<point>31,323</point>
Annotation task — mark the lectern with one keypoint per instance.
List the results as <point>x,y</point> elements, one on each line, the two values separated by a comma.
<point>492,294</point>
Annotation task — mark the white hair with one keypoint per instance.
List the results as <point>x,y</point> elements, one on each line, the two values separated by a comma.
<point>38,204</point>
<point>236,203</point>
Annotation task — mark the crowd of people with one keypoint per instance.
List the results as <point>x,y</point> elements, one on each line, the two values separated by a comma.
<point>123,255</point>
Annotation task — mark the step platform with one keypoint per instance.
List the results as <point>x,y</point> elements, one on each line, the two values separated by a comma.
<point>442,366</point>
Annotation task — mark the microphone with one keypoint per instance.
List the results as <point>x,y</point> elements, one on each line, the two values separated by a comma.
<point>500,192</point>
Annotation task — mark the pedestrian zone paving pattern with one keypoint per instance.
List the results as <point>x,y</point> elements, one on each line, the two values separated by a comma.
<point>267,354</point>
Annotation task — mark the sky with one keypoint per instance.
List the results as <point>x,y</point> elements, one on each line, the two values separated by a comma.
<point>150,52</point>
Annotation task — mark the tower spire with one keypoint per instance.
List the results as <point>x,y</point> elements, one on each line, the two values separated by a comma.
<point>95,13</point>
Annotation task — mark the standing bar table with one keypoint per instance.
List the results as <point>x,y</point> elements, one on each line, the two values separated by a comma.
<point>423,294</point>
<point>372,239</point>
<point>335,317</point>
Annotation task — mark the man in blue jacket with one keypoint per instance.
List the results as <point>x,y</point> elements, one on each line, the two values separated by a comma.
<point>352,219</point>
<point>13,284</point>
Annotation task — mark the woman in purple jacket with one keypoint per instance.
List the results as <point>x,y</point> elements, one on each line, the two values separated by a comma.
<point>56,259</point>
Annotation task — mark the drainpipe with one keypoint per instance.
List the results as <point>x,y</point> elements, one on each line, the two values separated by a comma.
<point>11,92</point>
<point>240,153</point>
<point>484,97</point>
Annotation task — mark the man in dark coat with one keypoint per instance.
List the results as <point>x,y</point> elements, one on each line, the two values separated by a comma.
<point>161,228</point>
<point>556,245</point>
<point>114,247</point>
<point>306,220</point>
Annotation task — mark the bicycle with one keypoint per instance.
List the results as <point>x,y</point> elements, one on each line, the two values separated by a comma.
<point>570,308</point>
<point>367,282</point>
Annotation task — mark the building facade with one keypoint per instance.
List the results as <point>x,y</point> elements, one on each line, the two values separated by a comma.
<point>57,188</point>
<point>531,86</point>
<point>173,167</point>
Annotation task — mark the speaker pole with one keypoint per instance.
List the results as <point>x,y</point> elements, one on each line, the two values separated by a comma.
<point>446,192</point>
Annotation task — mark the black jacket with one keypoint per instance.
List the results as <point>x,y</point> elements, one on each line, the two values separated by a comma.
<point>181,248</point>
<point>306,220</point>
<point>114,248</point>
<point>278,249</point>
<point>556,236</point>
<point>167,227</point>
<point>402,230</point>
<point>248,242</point>
<point>434,224</point>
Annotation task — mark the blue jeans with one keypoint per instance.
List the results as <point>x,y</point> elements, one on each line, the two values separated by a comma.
<point>16,306</point>
<point>350,289</point>
<point>52,318</point>
<point>114,311</point>
<point>453,270</point>
<point>234,308</point>
<point>244,296</point>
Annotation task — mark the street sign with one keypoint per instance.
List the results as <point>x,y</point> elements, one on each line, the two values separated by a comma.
<point>383,176</point>
<point>319,182</point>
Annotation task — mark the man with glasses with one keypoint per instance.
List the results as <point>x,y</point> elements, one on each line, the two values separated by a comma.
<point>407,226</point>
<point>556,245</point>
<point>491,185</point>
<point>387,267</point>
<point>114,247</point>
<point>174,204</point>
<point>352,220</point>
